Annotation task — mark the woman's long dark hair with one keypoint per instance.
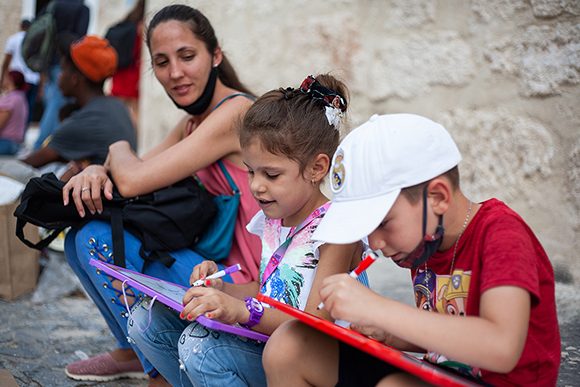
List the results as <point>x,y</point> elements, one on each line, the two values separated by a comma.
<point>202,29</point>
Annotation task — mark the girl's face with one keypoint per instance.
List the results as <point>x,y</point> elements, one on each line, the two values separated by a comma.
<point>181,62</point>
<point>278,185</point>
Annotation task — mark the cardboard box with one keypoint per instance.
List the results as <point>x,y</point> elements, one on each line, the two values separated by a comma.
<point>6,379</point>
<point>19,264</point>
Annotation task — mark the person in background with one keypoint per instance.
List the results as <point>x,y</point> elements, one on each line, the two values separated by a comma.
<point>13,61</point>
<point>125,82</point>
<point>71,18</point>
<point>99,120</point>
<point>13,112</point>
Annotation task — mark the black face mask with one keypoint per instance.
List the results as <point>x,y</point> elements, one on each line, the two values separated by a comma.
<point>202,103</point>
<point>428,246</point>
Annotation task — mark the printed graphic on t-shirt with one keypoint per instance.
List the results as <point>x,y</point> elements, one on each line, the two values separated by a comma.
<point>292,280</point>
<point>444,294</point>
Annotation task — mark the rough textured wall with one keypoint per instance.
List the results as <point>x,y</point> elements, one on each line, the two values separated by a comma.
<point>502,75</point>
<point>10,12</point>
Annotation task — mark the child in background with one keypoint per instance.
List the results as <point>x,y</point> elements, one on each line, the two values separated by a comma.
<point>477,268</point>
<point>13,112</point>
<point>287,139</point>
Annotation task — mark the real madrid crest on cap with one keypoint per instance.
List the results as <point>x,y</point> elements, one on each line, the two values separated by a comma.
<point>338,171</point>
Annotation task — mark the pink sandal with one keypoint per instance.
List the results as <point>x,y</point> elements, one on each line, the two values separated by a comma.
<point>103,367</point>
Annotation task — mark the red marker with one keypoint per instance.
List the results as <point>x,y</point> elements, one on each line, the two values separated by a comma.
<point>362,266</point>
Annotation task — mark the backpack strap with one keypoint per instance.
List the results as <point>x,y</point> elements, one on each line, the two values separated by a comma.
<point>20,223</point>
<point>233,186</point>
<point>234,95</point>
<point>118,236</point>
<point>162,256</point>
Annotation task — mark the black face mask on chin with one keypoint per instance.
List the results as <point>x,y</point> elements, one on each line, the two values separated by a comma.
<point>428,246</point>
<point>202,103</point>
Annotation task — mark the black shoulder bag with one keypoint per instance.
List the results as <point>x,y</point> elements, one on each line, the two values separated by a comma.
<point>168,219</point>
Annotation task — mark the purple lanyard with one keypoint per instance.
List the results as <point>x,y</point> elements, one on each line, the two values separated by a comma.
<point>281,250</point>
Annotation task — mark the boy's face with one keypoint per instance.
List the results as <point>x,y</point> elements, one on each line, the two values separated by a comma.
<point>400,232</point>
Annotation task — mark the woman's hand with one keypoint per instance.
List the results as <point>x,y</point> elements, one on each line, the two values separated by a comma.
<point>204,269</point>
<point>86,188</point>
<point>214,304</point>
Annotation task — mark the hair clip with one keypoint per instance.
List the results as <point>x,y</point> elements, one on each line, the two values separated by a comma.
<point>335,105</point>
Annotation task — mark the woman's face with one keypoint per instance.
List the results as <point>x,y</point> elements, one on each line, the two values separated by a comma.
<point>181,62</point>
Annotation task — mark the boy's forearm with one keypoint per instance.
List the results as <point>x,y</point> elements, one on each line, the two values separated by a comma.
<point>493,341</point>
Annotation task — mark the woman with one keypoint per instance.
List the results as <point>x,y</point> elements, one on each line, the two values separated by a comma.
<point>197,77</point>
<point>13,113</point>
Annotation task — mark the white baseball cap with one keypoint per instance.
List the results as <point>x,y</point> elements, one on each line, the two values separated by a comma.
<point>371,166</point>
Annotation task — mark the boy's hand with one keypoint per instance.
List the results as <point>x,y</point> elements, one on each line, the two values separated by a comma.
<point>347,299</point>
<point>204,269</point>
<point>214,304</point>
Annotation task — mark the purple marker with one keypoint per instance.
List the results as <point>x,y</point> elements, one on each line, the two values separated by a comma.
<point>218,274</point>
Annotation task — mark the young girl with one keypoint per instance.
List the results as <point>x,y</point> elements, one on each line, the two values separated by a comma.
<point>287,139</point>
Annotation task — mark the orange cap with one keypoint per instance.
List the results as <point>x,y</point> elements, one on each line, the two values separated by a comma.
<point>94,57</point>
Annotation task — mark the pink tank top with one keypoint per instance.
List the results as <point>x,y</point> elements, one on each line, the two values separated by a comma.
<point>246,247</point>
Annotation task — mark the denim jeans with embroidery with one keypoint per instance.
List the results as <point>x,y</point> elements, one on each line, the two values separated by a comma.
<point>189,354</point>
<point>94,241</point>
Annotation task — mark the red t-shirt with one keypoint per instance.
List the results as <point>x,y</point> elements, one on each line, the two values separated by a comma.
<point>126,81</point>
<point>497,249</point>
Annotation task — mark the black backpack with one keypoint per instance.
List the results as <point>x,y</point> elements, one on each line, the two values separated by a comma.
<point>169,219</point>
<point>122,37</point>
<point>39,43</point>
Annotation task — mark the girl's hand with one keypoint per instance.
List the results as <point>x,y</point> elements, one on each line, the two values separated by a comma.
<point>214,304</point>
<point>347,299</point>
<point>86,188</point>
<point>203,270</point>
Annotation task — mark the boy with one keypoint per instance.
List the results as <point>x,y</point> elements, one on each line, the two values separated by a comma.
<point>477,268</point>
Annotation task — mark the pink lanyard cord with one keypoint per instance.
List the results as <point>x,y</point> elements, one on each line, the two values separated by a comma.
<point>281,250</point>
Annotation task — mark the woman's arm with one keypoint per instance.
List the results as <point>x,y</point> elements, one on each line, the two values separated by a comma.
<point>215,138</point>
<point>172,138</point>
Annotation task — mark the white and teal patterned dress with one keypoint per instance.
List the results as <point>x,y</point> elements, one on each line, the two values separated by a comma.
<point>292,280</point>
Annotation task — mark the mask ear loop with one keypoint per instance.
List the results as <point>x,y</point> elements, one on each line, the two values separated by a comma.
<point>142,330</point>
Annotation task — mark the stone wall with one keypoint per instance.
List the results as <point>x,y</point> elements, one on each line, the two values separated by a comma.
<point>502,75</point>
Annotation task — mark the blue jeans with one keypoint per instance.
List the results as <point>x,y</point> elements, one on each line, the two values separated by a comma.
<point>53,101</point>
<point>206,357</point>
<point>94,240</point>
<point>31,98</point>
<point>8,147</point>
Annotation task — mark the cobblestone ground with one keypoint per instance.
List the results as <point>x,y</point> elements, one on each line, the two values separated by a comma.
<point>37,340</point>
